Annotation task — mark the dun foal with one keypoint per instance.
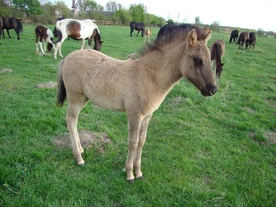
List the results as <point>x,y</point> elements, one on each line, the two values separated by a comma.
<point>147,34</point>
<point>44,35</point>
<point>217,51</point>
<point>135,86</point>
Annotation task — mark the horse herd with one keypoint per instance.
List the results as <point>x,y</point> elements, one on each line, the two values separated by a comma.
<point>249,39</point>
<point>136,86</point>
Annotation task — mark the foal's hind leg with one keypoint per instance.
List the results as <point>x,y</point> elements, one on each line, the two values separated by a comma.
<point>75,105</point>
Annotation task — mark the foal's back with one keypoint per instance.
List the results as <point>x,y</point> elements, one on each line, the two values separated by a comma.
<point>217,49</point>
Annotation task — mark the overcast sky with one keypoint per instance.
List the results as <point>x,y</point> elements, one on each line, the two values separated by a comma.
<point>235,13</point>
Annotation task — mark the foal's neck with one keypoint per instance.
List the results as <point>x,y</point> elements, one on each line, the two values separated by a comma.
<point>163,69</point>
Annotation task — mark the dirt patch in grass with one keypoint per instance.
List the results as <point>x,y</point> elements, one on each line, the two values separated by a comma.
<point>6,70</point>
<point>268,138</point>
<point>271,137</point>
<point>88,139</point>
<point>47,85</point>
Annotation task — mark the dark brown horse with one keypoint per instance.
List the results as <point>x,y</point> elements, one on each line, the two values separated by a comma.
<point>1,25</point>
<point>173,28</point>
<point>251,41</point>
<point>139,26</point>
<point>242,39</point>
<point>234,36</point>
<point>217,51</point>
<point>12,23</point>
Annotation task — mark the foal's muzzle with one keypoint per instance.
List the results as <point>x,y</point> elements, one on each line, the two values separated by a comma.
<point>209,90</point>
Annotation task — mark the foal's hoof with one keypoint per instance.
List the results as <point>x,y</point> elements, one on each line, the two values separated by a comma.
<point>131,181</point>
<point>140,177</point>
<point>81,165</point>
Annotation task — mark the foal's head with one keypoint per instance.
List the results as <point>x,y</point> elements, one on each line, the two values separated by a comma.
<point>49,46</point>
<point>196,62</point>
<point>219,68</point>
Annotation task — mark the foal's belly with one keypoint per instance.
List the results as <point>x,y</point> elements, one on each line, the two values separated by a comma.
<point>107,103</point>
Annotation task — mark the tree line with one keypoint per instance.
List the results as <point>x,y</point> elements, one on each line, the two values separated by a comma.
<point>49,12</point>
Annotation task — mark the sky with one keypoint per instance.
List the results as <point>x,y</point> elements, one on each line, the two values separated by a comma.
<point>235,13</point>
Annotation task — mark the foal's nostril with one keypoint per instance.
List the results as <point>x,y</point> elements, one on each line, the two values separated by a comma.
<point>213,90</point>
<point>209,90</point>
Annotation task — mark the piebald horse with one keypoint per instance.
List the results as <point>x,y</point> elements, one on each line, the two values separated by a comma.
<point>217,51</point>
<point>43,34</point>
<point>136,86</point>
<point>77,30</point>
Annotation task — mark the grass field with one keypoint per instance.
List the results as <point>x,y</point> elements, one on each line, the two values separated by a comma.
<point>216,151</point>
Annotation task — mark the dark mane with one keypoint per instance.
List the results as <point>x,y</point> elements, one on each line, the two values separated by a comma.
<point>170,33</point>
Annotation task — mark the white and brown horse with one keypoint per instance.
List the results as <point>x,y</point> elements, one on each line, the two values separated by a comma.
<point>77,30</point>
<point>217,51</point>
<point>43,35</point>
<point>135,86</point>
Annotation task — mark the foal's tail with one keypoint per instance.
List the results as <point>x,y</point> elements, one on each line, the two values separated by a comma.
<point>61,96</point>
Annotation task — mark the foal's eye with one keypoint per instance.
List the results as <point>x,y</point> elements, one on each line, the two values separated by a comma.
<point>198,61</point>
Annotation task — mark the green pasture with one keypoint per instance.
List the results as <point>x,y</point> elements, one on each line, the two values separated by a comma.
<point>215,151</point>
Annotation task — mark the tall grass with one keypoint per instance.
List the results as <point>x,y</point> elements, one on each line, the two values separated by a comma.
<point>217,151</point>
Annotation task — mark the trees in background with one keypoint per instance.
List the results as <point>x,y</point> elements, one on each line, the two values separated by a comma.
<point>30,7</point>
<point>48,12</point>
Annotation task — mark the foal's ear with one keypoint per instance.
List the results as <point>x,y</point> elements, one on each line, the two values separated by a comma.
<point>207,36</point>
<point>192,38</point>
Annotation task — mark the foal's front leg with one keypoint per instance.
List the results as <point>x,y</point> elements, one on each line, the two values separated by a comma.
<point>142,139</point>
<point>40,44</point>
<point>134,123</point>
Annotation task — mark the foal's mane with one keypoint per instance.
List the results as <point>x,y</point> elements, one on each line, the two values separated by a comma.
<point>172,33</point>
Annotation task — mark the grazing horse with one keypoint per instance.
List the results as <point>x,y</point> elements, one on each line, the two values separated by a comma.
<point>45,35</point>
<point>234,36</point>
<point>12,23</point>
<point>77,30</point>
<point>147,34</point>
<point>242,39</point>
<point>251,41</point>
<point>217,51</point>
<point>1,25</point>
<point>136,86</point>
<point>139,26</point>
<point>169,28</point>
